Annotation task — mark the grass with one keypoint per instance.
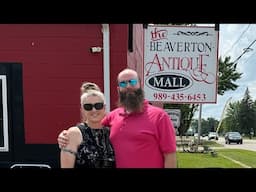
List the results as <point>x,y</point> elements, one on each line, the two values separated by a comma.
<point>226,158</point>
<point>245,156</point>
<point>200,160</point>
<point>206,160</point>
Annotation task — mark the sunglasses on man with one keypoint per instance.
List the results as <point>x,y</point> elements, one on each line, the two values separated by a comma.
<point>124,84</point>
<point>89,106</point>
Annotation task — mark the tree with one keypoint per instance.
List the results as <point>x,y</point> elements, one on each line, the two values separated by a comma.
<point>227,75</point>
<point>241,115</point>
<point>187,112</point>
<point>231,122</point>
<point>226,78</point>
<point>246,118</point>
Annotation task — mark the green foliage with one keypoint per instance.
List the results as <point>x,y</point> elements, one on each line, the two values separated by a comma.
<point>231,121</point>
<point>241,115</point>
<point>227,75</point>
<point>247,115</point>
<point>187,113</point>
<point>207,125</point>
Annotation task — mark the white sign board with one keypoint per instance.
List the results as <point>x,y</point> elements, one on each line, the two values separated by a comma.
<point>174,115</point>
<point>180,64</point>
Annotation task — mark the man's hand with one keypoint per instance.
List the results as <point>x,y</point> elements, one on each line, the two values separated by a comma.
<point>63,139</point>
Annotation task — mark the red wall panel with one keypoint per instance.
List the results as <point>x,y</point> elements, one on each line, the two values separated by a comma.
<point>118,55</point>
<point>56,59</point>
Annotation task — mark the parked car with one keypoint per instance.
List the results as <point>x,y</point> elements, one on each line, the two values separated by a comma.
<point>233,137</point>
<point>213,135</point>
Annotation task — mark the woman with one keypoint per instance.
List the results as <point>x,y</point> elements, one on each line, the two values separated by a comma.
<point>89,144</point>
<point>86,86</point>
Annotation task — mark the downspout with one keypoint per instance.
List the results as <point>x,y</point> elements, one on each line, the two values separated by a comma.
<point>106,65</point>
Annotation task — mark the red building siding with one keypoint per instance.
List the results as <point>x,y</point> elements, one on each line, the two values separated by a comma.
<point>56,59</point>
<point>118,57</point>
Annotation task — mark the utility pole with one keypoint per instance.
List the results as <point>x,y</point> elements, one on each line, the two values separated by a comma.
<point>199,125</point>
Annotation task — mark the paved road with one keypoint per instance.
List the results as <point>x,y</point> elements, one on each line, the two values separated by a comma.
<point>247,144</point>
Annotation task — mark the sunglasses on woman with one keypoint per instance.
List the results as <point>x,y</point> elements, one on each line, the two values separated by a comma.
<point>89,106</point>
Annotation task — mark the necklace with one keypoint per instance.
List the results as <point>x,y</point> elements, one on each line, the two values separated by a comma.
<point>97,135</point>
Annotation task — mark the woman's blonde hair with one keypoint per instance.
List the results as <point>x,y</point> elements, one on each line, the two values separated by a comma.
<point>92,92</point>
<point>86,86</point>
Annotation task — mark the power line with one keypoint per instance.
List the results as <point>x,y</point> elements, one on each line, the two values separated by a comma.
<point>245,51</point>
<point>237,40</point>
<point>249,58</point>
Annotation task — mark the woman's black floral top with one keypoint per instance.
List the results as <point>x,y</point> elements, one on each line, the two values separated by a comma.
<point>95,151</point>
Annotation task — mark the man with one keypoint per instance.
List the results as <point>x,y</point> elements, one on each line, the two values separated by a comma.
<point>142,135</point>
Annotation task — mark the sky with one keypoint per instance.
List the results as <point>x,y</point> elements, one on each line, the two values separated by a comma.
<point>233,39</point>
